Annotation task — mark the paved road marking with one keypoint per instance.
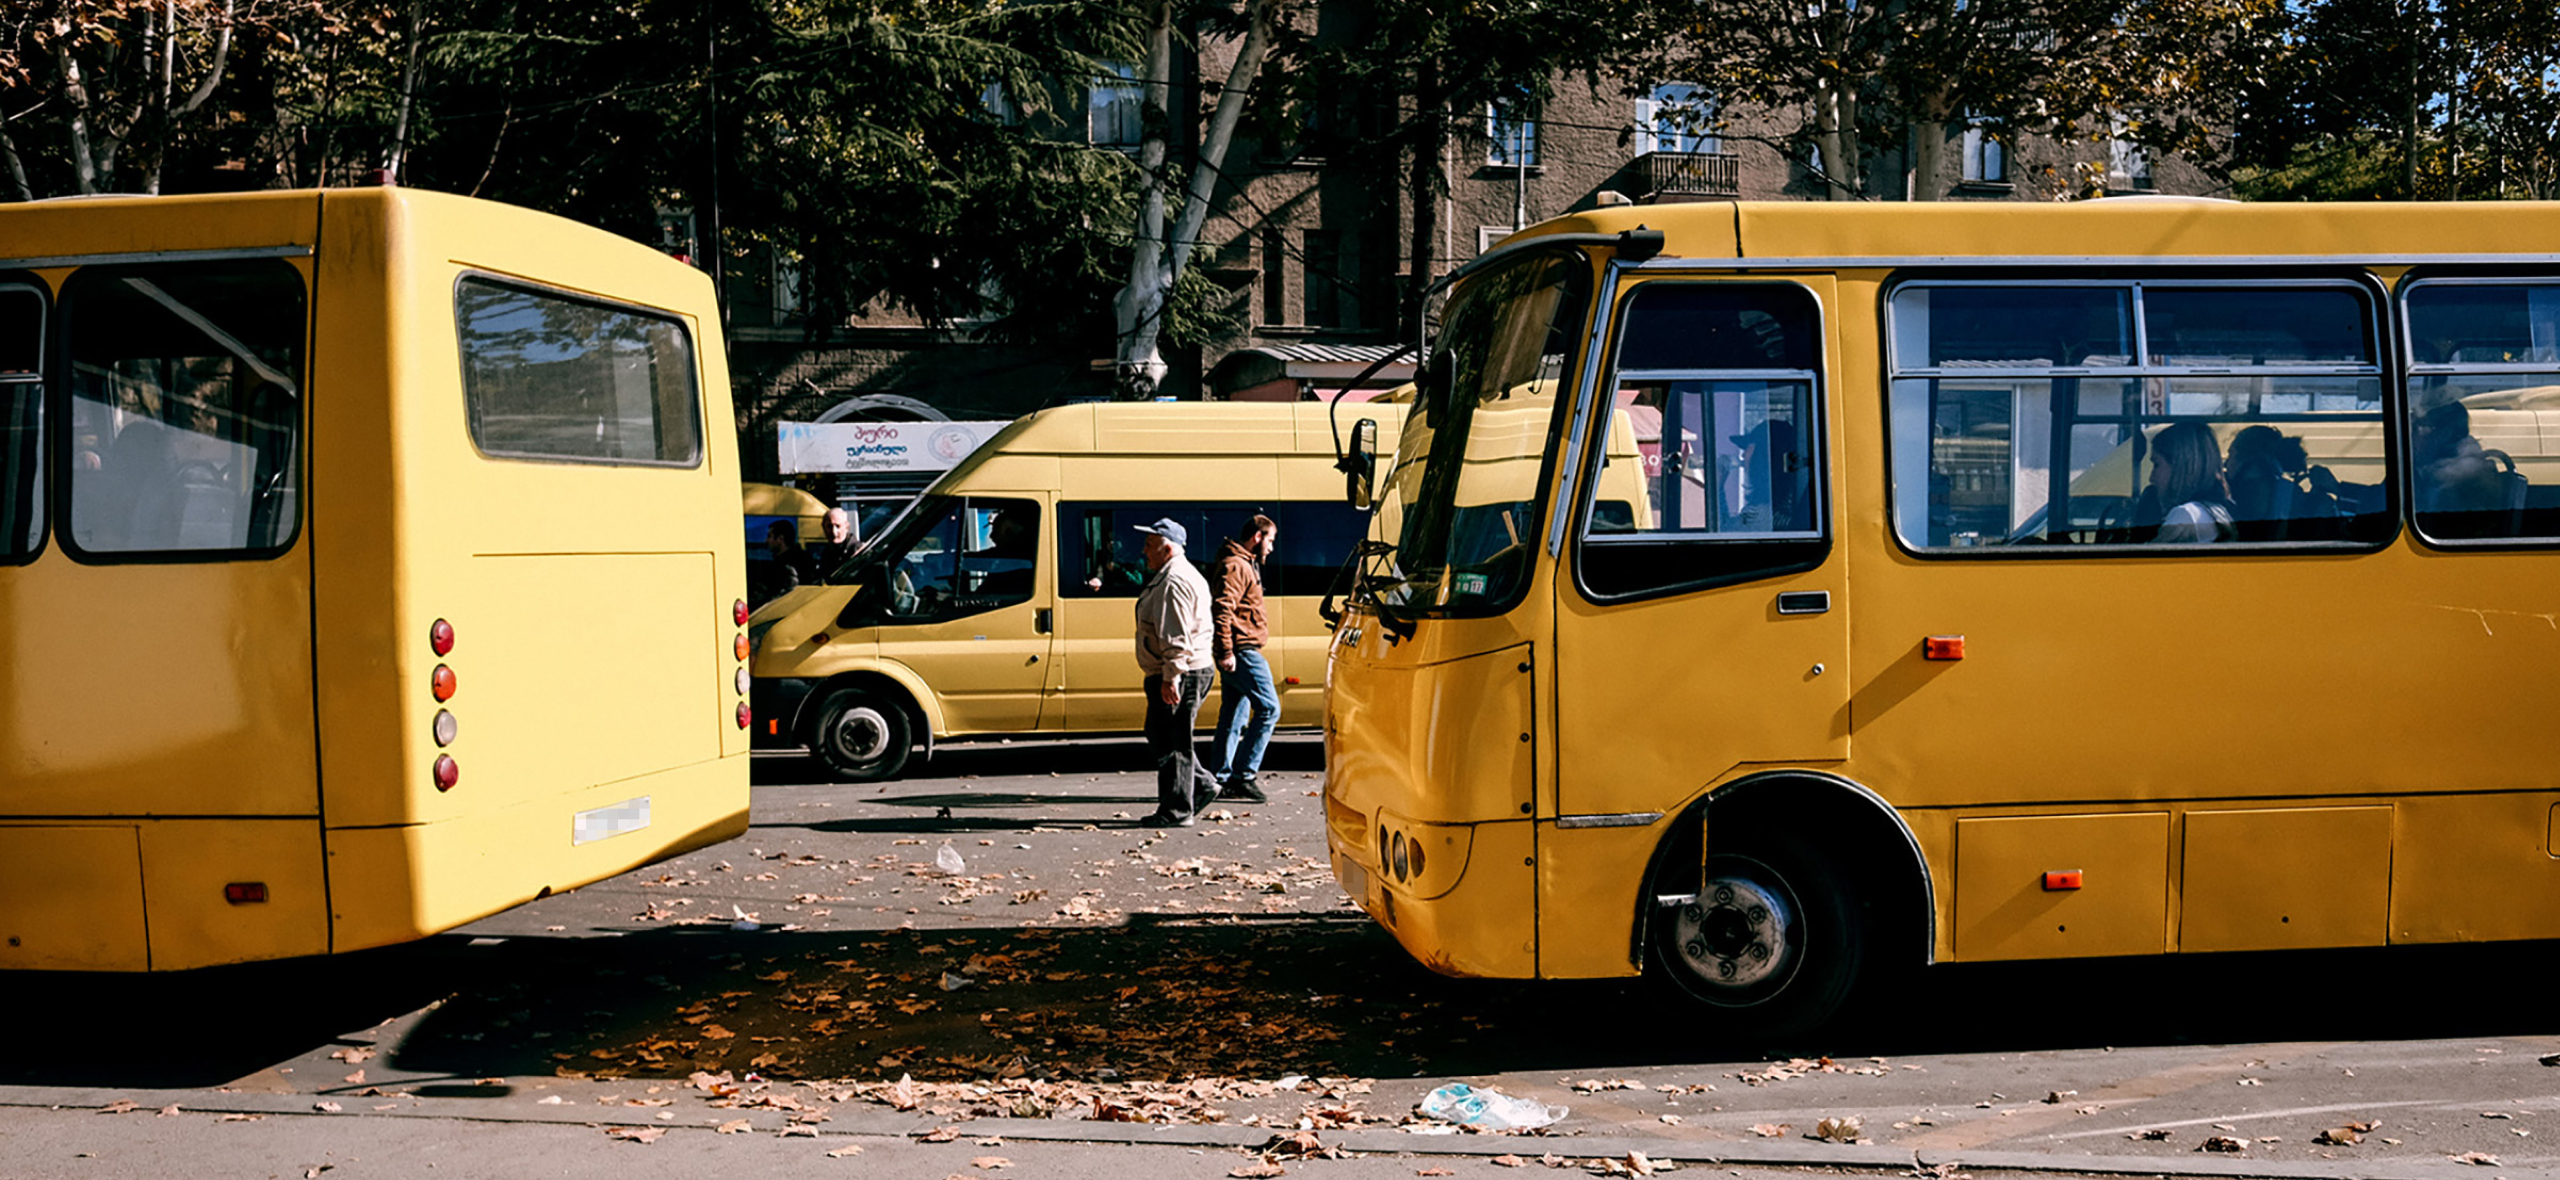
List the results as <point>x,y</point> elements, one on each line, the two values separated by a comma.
<point>1996,1127</point>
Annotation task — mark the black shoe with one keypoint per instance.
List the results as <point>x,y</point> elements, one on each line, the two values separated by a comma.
<point>1161,820</point>
<point>1243,791</point>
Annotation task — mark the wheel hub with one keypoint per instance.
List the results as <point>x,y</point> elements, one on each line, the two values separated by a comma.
<point>861,734</point>
<point>1736,933</point>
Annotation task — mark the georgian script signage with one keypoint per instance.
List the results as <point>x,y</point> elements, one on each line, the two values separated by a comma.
<point>849,447</point>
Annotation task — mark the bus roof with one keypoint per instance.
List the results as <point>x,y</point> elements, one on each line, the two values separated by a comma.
<point>1867,233</point>
<point>1180,428</point>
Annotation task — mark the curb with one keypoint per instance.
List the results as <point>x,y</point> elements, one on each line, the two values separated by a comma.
<point>845,1123</point>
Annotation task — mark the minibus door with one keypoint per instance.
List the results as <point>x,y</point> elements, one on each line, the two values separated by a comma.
<point>965,608</point>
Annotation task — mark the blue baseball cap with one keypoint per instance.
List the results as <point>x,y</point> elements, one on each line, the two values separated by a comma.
<point>1167,530</point>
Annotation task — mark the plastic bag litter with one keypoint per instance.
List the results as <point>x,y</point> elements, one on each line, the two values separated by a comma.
<point>948,860</point>
<point>744,924</point>
<point>1488,1110</point>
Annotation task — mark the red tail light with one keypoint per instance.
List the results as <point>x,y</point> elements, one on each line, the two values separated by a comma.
<point>739,612</point>
<point>440,637</point>
<point>448,772</point>
<point>244,892</point>
<point>746,716</point>
<point>444,683</point>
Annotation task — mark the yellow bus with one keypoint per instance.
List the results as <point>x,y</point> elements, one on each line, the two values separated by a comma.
<point>292,489</point>
<point>2122,578</point>
<point>1002,600</point>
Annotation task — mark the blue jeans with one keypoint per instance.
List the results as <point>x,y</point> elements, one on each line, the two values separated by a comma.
<point>1250,684</point>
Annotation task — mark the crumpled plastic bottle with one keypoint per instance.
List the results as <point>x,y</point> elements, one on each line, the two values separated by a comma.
<point>948,860</point>
<point>1488,1110</point>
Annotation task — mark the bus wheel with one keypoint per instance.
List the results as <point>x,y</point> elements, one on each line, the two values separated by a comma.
<point>861,736</point>
<point>1773,941</point>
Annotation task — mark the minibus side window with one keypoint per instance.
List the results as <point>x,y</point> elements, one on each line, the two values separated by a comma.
<point>550,376</point>
<point>2484,393</point>
<point>982,555</point>
<point>1103,555</point>
<point>2178,414</point>
<point>1722,479</point>
<point>21,421</point>
<point>1315,539</point>
<point>185,404</point>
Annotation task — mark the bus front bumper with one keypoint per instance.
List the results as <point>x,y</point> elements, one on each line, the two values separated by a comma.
<point>1478,921</point>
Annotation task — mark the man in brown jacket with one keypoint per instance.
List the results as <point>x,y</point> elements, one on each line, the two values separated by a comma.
<point>1238,630</point>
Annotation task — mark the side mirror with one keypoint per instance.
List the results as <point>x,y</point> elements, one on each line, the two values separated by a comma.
<point>1360,467</point>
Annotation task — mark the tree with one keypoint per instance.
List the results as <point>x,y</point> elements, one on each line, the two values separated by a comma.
<point>1870,78</point>
<point>1158,261</point>
<point>109,87</point>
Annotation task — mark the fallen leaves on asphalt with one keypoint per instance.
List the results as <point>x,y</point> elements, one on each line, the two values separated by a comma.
<point>2482,1158</point>
<point>2223,1143</point>
<point>636,1134</point>
<point>1846,1129</point>
<point>1796,1067</point>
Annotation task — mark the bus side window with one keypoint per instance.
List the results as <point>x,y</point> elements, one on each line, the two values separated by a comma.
<point>977,558</point>
<point>1316,538</point>
<point>22,316</point>
<point>2484,391</point>
<point>185,405</point>
<point>1711,469</point>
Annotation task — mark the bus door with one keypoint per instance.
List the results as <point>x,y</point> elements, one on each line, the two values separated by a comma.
<point>1705,595</point>
<point>966,608</point>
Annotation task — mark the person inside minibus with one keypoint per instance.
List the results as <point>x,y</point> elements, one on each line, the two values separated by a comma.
<point>2186,469</point>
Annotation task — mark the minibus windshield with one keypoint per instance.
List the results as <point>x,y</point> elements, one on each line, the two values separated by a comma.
<point>1460,505</point>
<point>892,539</point>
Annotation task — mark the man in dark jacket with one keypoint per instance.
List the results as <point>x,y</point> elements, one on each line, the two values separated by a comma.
<point>1249,705</point>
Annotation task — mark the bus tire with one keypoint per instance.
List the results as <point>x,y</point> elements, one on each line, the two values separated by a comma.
<point>1774,944</point>
<point>862,736</point>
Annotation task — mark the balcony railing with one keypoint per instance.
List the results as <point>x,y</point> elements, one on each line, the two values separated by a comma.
<point>1687,176</point>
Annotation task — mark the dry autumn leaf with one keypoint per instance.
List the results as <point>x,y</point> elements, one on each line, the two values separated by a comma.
<point>735,1127</point>
<point>1769,1130</point>
<point>991,1162</point>
<point>119,1106</point>
<point>846,1151</point>
<point>635,1134</point>
<point>939,1135</point>
<point>1258,1170</point>
<point>2222,1143</point>
<point>2482,1158</point>
<point>1509,1161</point>
<point>2338,1137</point>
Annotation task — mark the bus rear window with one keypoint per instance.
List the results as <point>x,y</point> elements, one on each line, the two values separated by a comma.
<point>21,422</point>
<point>550,376</point>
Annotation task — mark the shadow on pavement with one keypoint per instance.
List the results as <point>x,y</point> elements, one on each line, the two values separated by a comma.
<point>1163,996</point>
<point>1288,752</point>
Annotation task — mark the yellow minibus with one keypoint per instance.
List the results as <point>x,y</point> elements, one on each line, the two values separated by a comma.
<point>291,489</point>
<point>2118,578</point>
<point>1002,600</point>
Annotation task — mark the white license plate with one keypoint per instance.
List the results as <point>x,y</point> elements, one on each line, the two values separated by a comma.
<point>604,823</point>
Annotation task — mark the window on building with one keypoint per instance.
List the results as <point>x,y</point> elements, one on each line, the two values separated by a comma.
<point>1986,158</point>
<point>1113,110</point>
<point>1676,117</point>
<point>1275,275</point>
<point>1325,288</point>
<point>996,103</point>
<point>2128,164</point>
<point>1511,132</point>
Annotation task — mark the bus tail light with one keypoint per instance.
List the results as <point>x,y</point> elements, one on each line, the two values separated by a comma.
<point>443,683</point>
<point>746,716</point>
<point>2062,880</point>
<point>745,682</point>
<point>741,647</point>
<point>1942,647</point>
<point>446,728</point>
<point>245,892</point>
<point>738,611</point>
<point>440,637</point>
<point>448,772</point>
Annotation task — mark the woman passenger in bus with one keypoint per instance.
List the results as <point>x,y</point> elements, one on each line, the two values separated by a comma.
<point>2186,469</point>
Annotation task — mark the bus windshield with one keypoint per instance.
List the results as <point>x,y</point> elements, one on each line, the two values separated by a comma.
<point>1459,509</point>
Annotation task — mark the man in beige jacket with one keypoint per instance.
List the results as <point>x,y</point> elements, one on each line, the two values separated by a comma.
<point>1173,652</point>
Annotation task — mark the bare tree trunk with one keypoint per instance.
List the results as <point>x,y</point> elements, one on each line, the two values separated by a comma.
<point>1140,303</point>
<point>1928,152</point>
<point>84,164</point>
<point>408,97</point>
<point>17,168</point>
<point>1431,132</point>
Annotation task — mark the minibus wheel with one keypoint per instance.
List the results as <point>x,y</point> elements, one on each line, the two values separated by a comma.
<point>1772,943</point>
<point>861,736</point>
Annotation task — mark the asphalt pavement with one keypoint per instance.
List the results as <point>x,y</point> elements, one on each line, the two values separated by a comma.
<point>1079,996</point>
